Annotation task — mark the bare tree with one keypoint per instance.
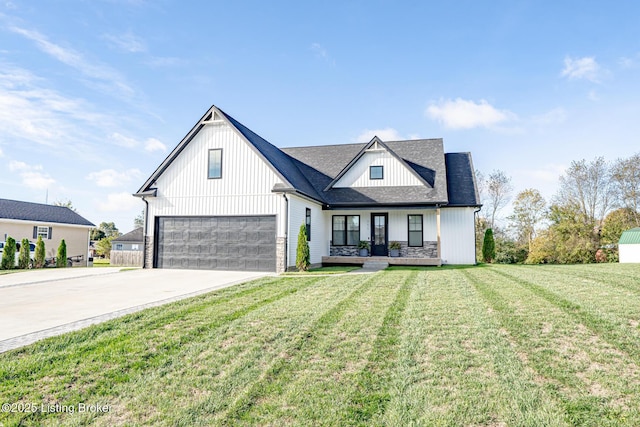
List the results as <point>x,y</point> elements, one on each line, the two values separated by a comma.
<point>588,185</point>
<point>625,179</point>
<point>528,211</point>
<point>498,190</point>
<point>65,203</point>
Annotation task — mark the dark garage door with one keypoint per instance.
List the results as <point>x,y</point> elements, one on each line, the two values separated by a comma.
<point>216,243</point>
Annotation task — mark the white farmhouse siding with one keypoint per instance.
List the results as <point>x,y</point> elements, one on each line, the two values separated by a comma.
<point>395,173</point>
<point>184,188</point>
<point>297,217</point>
<point>456,227</point>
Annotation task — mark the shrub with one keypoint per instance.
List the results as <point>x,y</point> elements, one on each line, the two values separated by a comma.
<point>25,256</point>
<point>488,246</point>
<point>363,244</point>
<point>9,254</point>
<point>395,245</point>
<point>510,252</point>
<point>40,253</point>
<point>302,254</point>
<point>61,258</point>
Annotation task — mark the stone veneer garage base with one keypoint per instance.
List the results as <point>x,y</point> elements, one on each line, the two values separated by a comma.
<point>328,260</point>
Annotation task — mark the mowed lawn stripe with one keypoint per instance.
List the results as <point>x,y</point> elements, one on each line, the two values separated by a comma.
<point>573,298</point>
<point>471,375</point>
<point>92,362</point>
<point>223,366</point>
<point>576,366</point>
<point>322,370</point>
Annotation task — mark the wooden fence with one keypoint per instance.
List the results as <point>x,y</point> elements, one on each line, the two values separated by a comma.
<point>126,258</point>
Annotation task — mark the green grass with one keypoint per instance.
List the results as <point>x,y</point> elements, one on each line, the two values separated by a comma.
<point>324,270</point>
<point>101,262</point>
<point>486,346</point>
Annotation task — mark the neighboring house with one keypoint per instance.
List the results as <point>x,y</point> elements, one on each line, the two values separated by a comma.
<point>629,246</point>
<point>225,198</point>
<point>126,250</point>
<point>131,241</point>
<point>29,220</point>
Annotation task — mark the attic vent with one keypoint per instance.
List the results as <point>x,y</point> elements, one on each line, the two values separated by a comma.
<point>213,119</point>
<point>375,147</point>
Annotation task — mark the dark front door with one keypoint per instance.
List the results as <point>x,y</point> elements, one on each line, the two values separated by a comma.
<point>379,238</point>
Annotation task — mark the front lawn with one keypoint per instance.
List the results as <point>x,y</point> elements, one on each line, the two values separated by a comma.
<point>481,346</point>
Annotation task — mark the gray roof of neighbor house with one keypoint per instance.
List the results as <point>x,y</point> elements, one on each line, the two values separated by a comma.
<point>134,236</point>
<point>27,211</point>
<point>311,170</point>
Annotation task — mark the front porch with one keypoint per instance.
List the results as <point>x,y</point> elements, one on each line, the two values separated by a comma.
<point>358,260</point>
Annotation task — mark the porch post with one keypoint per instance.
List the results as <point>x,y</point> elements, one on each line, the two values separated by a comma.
<point>438,231</point>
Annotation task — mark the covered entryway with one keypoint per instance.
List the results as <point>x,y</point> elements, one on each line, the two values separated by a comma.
<point>246,243</point>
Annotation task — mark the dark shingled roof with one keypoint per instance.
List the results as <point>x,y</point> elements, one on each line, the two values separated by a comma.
<point>132,236</point>
<point>321,164</point>
<point>311,170</point>
<point>27,211</point>
<point>461,178</point>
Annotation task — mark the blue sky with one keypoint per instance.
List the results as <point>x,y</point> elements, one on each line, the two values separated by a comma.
<point>94,94</point>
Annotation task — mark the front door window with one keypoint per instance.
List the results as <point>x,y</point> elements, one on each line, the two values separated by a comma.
<point>379,234</point>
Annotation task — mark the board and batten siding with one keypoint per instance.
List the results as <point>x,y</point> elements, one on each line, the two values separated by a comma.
<point>184,188</point>
<point>395,173</point>
<point>457,236</point>
<point>318,245</point>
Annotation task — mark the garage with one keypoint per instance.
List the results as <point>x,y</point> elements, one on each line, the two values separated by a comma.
<point>246,243</point>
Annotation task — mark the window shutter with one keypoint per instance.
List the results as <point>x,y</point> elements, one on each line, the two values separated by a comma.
<point>50,232</point>
<point>35,231</point>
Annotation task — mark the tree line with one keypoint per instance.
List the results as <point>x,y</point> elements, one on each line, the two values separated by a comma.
<point>582,223</point>
<point>24,260</point>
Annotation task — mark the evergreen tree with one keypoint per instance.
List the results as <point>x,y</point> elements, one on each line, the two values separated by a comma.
<point>9,254</point>
<point>488,246</point>
<point>40,253</point>
<point>61,259</point>
<point>24,258</point>
<point>302,254</point>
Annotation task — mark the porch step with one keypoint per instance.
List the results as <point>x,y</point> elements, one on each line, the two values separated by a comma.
<point>375,265</point>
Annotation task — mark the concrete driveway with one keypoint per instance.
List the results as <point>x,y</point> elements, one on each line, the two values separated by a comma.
<point>43,303</point>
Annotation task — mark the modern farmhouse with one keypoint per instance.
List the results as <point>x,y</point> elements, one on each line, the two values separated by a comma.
<point>225,198</point>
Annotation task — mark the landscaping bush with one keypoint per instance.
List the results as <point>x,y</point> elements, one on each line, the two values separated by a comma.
<point>510,252</point>
<point>24,258</point>
<point>488,246</point>
<point>9,254</point>
<point>302,254</point>
<point>40,253</point>
<point>61,259</point>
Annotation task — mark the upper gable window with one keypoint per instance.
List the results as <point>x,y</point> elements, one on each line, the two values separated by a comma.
<point>215,163</point>
<point>376,172</point>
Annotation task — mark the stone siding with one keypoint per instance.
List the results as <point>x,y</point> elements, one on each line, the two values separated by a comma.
<point>428,250</point>
<point>148,252</point>
<point>343,250</point>
<point>280,254</point>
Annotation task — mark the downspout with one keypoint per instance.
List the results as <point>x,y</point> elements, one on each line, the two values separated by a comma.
<point>144,233</point>
<point>475,231</point>
<point>286,232</point>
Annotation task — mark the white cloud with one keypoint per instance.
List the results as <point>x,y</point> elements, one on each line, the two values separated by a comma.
<point>555,116</point>
<point>127,42</point>
<point>106,77</point>
<point>581,68</point>
<point>386,134</point>
<point>322,53</point>
<point>119,202</point>
<point>153,144</point>
<point>123,141</point>
<point>465,114</point>
<point>31,175</point>
<point>1,153</point>
<point>113,178</point>
<point>548,174</point>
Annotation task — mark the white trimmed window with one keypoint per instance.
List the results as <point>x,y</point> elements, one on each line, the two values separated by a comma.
<point>44,232</point>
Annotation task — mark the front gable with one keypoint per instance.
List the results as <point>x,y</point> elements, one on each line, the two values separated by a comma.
<point>376,165</point>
